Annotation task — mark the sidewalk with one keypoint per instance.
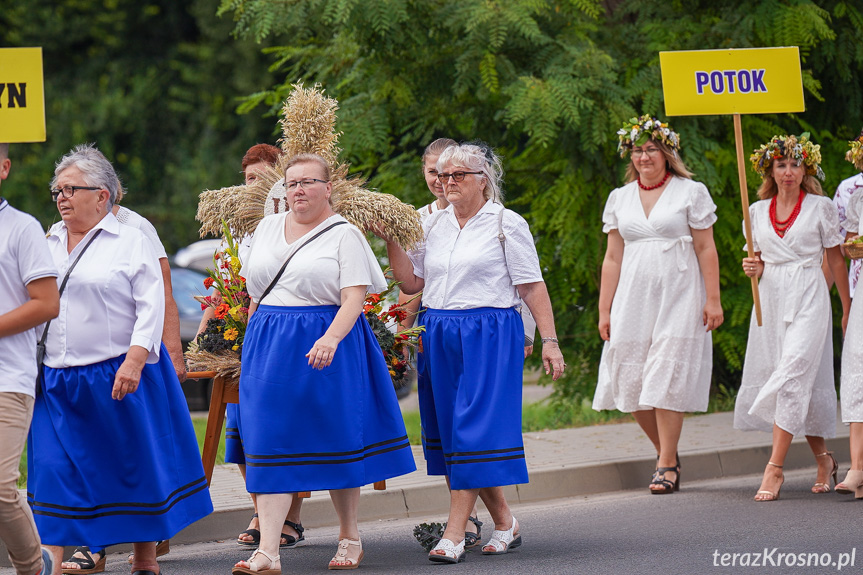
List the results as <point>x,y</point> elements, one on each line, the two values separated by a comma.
<point>561,463</point>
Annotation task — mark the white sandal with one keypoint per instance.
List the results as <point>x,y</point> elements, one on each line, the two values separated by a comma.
<point>502,541</point>
<point>341,560</point>
<point>452,553</point>
<point>274,566</point>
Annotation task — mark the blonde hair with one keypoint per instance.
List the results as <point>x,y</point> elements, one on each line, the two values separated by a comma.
<point>437,147</point>
<point>768,188</point>
<point>673,163</point>
<point>310,159</point>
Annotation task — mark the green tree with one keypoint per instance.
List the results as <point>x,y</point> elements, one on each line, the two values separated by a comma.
<point>548,83</point>
<point>154,85</point>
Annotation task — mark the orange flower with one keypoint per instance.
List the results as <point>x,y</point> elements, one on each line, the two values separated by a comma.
<point>208,283</point>
<point>222,310</point>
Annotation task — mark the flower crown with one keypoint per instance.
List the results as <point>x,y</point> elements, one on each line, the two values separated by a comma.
<point>636,132</point>
<point>855,154</point>
<point>799,148</point>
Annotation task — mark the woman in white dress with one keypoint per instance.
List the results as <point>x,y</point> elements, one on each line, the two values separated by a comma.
<point>851,389</point>
<point>659,296</point>
<point>794,226</point>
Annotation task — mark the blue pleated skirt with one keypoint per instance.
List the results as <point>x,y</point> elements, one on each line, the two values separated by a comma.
<point>432,450</point>
<point>101,471</point>
<point>475,363</point>
<point>233,444</point>
<point>305,429</point>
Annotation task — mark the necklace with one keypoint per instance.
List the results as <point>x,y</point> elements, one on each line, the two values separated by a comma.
<point>659,185</point>
<point>782,227</point>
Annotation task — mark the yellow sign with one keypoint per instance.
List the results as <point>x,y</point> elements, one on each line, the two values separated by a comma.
<point>750,81</point>
<point>22,95</point>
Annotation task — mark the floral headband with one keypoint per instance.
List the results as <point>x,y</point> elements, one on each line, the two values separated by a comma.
<point>637,131</point>
<point>797,148</point>
<point>855,154</point>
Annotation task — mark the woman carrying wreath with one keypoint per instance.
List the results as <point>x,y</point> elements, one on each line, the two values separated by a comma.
<point>471,280</point>
<point>317,405</point>
<point>659,296</point>
<point>794,226</point>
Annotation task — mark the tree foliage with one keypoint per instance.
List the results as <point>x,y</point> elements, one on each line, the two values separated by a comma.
<point>548,83</point>
<point>154,84</point>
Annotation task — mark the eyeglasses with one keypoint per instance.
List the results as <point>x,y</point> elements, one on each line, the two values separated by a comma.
<point>68,191</point>
<point>305,183</point>
<point>457,176</point>
<point>642,151</point>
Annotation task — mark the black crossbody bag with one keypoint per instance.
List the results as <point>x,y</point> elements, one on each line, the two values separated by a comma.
<point>285,265</point>
<point>40,345</point>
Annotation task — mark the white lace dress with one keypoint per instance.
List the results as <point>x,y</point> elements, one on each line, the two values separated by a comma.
<point>659,355</point>
<point>784,375</point>
<point>851,388</point>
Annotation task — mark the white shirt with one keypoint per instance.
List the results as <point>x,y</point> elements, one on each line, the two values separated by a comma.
<point>339,258</point>
<point>25,257</point>
<point>428,210</point>
<point>114,299</point>
<point>465,268</point>
<point>844,192</point>
<point>129,218</point>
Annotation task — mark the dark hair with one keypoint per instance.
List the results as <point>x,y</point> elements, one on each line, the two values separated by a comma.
<point>261,153</point>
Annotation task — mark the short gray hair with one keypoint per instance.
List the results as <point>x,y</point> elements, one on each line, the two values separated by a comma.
<point>4,152</point>
<point>95,167</point>
<point>477,157</point>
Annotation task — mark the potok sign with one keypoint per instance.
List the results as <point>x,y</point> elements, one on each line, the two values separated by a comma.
<point>748,81</point>
<point>22,95</point>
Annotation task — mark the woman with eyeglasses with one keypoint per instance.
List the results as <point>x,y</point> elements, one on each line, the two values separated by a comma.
<point>317,405</point>
<point>112,455</point>
<point>476,261</point>
<point>659,293</point>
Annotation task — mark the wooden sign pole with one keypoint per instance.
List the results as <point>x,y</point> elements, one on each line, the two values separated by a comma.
<point>744,200</point>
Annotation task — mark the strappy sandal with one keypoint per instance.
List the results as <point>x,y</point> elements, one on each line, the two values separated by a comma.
<point>290,540</point>
<point>665,486</point>
<point>825,487</point>
<point>473,539</point>
<point>452,552</point>
<point>502,541</point>
<point>254,533</point>
<point>773,496</point>
<point>162,548</point>
<point>87,563</point>
<point>274,566</point>
<point>341,560</point>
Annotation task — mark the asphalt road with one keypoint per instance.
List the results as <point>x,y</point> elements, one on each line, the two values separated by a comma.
<point>626,532</point>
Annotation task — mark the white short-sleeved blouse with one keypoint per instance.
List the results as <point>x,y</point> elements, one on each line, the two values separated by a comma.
<point>339,258</point>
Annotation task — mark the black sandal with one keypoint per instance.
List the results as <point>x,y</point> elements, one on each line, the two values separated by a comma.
<point>473,539</point>
<point>256,536</point>
<point>666,484</point>
<point>87,563</point>
<point>290,540</point>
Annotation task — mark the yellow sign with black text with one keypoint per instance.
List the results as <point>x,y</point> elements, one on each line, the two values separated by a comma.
<point>746,81</point>
<point>22,96</point>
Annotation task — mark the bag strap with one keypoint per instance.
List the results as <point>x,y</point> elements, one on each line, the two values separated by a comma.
<point>44,337</point>
<point>500,236</point>
<point>285,265</point>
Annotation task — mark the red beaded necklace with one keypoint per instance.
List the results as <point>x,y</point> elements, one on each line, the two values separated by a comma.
<point>659,185</point>
<point>782,227</point>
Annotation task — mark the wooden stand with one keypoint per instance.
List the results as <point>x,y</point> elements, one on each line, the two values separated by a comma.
<point>225,391</point>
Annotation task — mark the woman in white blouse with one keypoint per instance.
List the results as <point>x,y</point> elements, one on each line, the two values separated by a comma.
<point>317,406</point>
<point>471,279</point>
<point>659,295</point>
<point>112,455</point>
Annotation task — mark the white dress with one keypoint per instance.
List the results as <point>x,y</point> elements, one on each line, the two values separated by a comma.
<point>781,381</point>
<point>660,354</point>
<point>851,387</point>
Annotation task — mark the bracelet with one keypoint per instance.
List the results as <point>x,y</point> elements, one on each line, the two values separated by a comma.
<point>549,340</point>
